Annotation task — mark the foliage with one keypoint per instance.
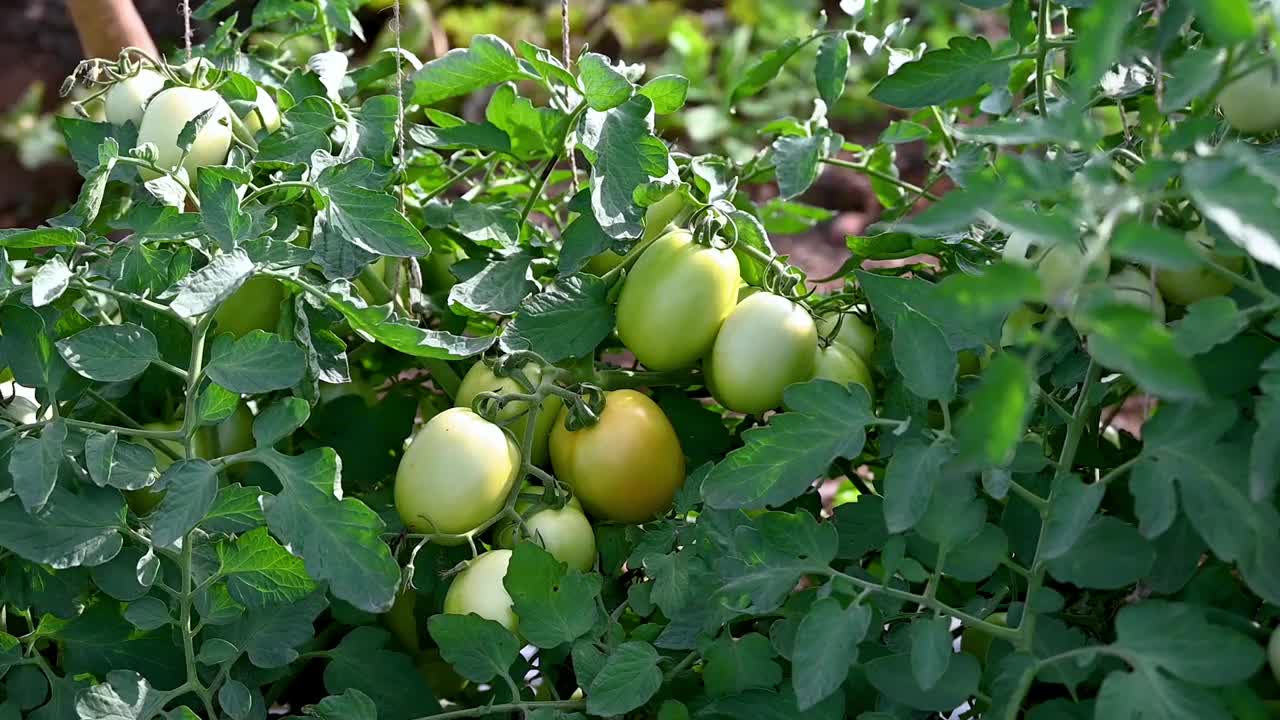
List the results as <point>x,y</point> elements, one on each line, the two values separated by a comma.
<point>998,545</point>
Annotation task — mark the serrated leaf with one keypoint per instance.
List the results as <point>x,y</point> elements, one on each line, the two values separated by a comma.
<point>630,677</point>
<point>110,353</point>
<point>940,76</point>
<point>479,649</point>
<point>260,572</point>
<point>624,155</point>
<point>824,421</point>
<point>256,363</point>
<point>208,287</point>
<point>568,319</point>
<point>195,485</point>
<point>460,71</point>
<point>555,605</point>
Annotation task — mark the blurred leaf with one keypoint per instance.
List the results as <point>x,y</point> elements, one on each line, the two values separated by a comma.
<point>764,70</point>
<point>460,71</point>
<point>363,663</point>
<point>831,67</point>
<point>941,76</point>
<point>1207,324</point>
<point>1128,339</point>
<point>994,421</point>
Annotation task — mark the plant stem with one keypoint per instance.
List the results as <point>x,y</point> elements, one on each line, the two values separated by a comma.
<point>276,186</point>
<point>872,172</point>
<point>149,304</point>
<point>997,631</point>
<point>618,379</point>
<point>479,163</point>
<point>1042,53</point>
<point>551,162</point>
<point>522,707</point>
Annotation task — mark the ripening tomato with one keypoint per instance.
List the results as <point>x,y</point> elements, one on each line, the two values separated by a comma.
<point>480,378</point>
<point>840,364</point>
<point>1252,103</point>
<point>265,114</point>
<point>478,589</point>
<point>126,99</point>
<point>170,111</point>
<point>565,533</point>
<point>1185,287</point>
<point>1131,286</point>
<point>255,306</point>
<point>628,466</point>
<point>854,334</point>
<point>765,345</point>
<point>456,474</point>
<point>674,300</point>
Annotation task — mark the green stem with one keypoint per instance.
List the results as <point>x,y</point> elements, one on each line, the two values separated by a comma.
<point>303,184</point>
<point>551,162</point>
<point>479,163</point>
<point>618,379</point>
<point>872,172</point>
<point>150,305</point>
<point>996,631</point>
<point>186,188</point>
<point>1119,470</point>
<point>498,709</point>
<point>1042,54</point>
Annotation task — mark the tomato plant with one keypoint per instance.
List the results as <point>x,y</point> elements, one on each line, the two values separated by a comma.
<point>286,376</point>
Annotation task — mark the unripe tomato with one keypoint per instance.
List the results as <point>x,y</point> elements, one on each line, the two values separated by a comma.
<point>504,533</point>
<point>456,474</point>
<point>255,306</point>
<point>480,378</point>
<point>976,642</point>
<point>144,500</point>
<point>126,99</point>
<point>1059,267</point>
<point>657,221</point>
<point>1273,653</point>
<point>1185,287</point>
<point>1019,326</point>
<point>765,345</point>
<point>674,300</point>
<point>1252,103</point>
<point>840,364</point>
<point>401,622</point>
<point>1133,287</point>
<point>436,269</point>
<point>563,532</point>
<point>265,114</point>
<point>854,333</point>
<point>600,264</point>
<point>170,111</point>
<point>478,589</point>
<point>628,466</point>
<point>235,434</point>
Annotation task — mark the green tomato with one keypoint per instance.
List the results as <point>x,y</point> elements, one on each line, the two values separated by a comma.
<point>255,306</point>
<point>600,264</point>
<point>1273,653</point>
<point>480,378</point>
<point>976,642</point>
<point>264,114</point>
<point>436,269</point>
<point>1131,286</point>
<point>1058,266</point>
<point>527,503</point>
<point>674,300</point>
<point>478,589</point>
<point>125,100</point>
<point>168,112</point>
<point>565,533</point>
<point>1019,326</point>
<point>765,345</point>
<point>456,474</point>
<point>1185,287</point>
<point>854,334</point>
<point>401,622</point>
<point>235,434</point>
<point>840,364</point>
<point>1252,103</point>
<point>628,466</point>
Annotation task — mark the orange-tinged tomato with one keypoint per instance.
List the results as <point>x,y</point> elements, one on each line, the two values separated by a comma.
<point>628,466</point>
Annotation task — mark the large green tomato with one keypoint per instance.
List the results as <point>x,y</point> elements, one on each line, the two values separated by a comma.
<point>265,114</point>
<point>255,306</point>
<point>1273,653</point>
<point>628,466</point>
<point>126,99</point>
<point>478,589</point>
<point>674,300</point>
<point>1252,103</point>
<point>480,378</point>
<point>1133,287</point>
<point>840,364</point>
<point>456,474</point>
<point>168,112</point>
<point>766,344</point>
<point>657,221</point>
<point>401,622</point>
<point>565,533</point>
<point>1188,286</point>
<point>854,333</point>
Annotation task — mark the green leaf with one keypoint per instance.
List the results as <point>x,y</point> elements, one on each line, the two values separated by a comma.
<point>364,216</point>
<point>72,530</point>
<point>733,665</point>
<point>941,76</point>
<point>1238,193</point>
<point>554,605</point>
<point>271,636</point>
<point>110,353</point>
<point>101,641</point>
<point>1194,73</point>
<point>1072,506</point>
<point>50,281</point>
<point>34,465</point>
<point>603,87</point>
<point>992,425</point>
<point>1153,245</point>
<point>624,155</point>
<point>280,420</point>
<point>764,70</point>
<point>892,676</point>
<point>891,298</point>
<point>912,474</point>
<point>568,319</point>
<point>339,540</point>
<point>125,694</point>
<point>211,285</point>
<point>256,363</point>
<point>930,650</point>
<point>350,705</point>
<point>1226,21</point>
<point>1108,555</point>
<point>260,572</point>
<point>498,288</point>
<point>148,613</point>
<point>797,159</point>
<point>1126,338</point>
<point>460,71</point>
<point>779,461</point>
<point>826,646</point>
<point>1207,324</point>
<point>41,237</point>
<point>667,92</point>
<point>1000,289</point>
<point>921,353</point>
<point>485,137</point>
<point>195,485</point>
<point>120,577</point>
<point>495,225</point>
<point>376,322</point>
<point>1178,639</point>
<point>235,510</point>
<point>630,677</point>
<point>1148,696</point>
<point>1103,27</point>
<point>220,211</point>
<point>479,649</point>
<point>831,68</point>
<point>861,527</point>
<point>305,131</point>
